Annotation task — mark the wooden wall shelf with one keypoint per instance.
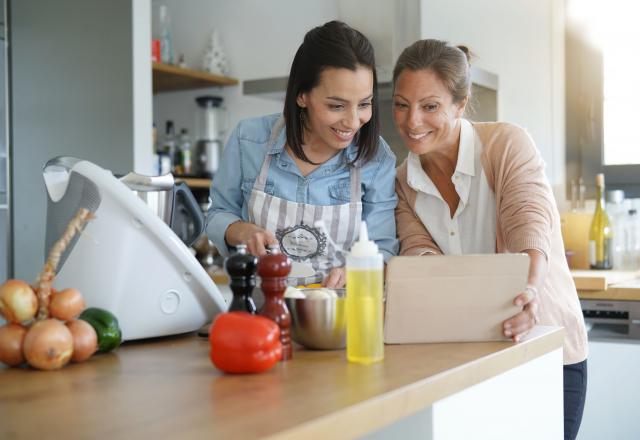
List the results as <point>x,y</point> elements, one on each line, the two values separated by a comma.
<point>168,78</point>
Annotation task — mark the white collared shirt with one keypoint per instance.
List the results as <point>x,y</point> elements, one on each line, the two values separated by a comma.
<point>472,230</point>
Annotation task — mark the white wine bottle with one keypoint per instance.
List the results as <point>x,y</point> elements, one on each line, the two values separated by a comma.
<point>600,233</point>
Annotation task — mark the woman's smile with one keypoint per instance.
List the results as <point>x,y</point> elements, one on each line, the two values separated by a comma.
<point>344,135</point>
<point>417,136</point>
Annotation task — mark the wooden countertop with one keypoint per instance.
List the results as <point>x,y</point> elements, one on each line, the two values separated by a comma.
<point>601,279</point>
<point>628,291</point>
<point>169,389</point>
<point>607,285</point>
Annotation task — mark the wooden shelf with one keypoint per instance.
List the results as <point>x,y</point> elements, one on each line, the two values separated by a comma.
<point>194,182</point>
<point>168,78</point>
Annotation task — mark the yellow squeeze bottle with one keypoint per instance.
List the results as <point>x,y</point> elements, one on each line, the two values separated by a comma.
<point>365,343</point>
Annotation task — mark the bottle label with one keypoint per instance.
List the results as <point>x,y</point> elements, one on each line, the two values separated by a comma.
<point>592,253</point>
<point>600,261</point>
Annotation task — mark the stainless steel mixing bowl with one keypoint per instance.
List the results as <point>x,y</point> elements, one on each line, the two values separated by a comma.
<point>319,324</point>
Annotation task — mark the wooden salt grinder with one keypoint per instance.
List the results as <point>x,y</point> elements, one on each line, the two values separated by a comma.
<point>241,267</point>
<point>273,269</point>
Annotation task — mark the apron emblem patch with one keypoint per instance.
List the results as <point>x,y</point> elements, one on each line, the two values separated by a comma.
<point>302,242</point>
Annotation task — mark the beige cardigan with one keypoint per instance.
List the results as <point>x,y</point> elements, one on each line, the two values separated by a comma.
<point>526,218</point>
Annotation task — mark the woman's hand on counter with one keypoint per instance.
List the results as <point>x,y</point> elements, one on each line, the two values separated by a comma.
<point>256,238</point>
<point>336,279</point>
<point>519,325</point>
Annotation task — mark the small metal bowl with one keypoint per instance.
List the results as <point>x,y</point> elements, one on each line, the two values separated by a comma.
<point>319,324</point>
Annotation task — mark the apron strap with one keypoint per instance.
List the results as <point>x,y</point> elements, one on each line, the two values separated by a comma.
<point>355,207</point>
<point>261,181</point>
<point>354,184</point>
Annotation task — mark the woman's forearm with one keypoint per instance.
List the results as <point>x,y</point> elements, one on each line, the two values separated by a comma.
<point>538,268</point>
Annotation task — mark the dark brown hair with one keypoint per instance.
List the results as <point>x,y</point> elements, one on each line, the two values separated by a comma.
<point>450,63</point>
<point>332,45</point>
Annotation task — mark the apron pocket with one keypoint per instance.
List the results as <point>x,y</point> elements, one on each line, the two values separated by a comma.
<point>340,191</point>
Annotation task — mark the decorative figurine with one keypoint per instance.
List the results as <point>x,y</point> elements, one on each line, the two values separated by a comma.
<point>215,59</point>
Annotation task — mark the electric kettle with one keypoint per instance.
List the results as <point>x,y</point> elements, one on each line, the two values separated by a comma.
<point>173,203</point>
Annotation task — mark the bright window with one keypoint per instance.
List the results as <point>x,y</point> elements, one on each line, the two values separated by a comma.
<point>613,26</point>
<point>621,112</point>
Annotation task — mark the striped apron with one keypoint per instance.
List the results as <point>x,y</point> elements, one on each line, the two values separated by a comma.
<point>293,223</point>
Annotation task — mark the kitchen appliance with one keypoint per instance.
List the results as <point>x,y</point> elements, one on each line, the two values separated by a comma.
<point>127,260</point>
<point>611,319</point>
<point>211,125</point>
<point>207,254</point>
<point>173,203</point>
<point>613,312</point>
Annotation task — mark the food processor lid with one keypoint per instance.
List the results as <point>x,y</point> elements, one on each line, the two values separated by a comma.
<point>70,185</point>
<point>140,182</point>
<point>209,101</point>
<point>56,173</point>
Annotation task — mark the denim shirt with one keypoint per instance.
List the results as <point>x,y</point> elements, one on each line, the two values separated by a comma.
<point>328,184</point>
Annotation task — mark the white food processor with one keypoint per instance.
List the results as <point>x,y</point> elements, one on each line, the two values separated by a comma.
<point>127,259</point>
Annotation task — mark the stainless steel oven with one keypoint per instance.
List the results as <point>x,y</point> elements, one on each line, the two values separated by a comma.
<point>611,319</point>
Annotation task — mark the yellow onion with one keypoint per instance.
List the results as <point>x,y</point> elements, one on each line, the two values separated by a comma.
<point>48,345</point>
<point>66,304</point>
<point>18,301</point>
<point>11,342</point>
<point>85,339</point>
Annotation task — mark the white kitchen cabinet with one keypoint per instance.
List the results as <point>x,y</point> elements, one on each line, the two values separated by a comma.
<point>611,410</point>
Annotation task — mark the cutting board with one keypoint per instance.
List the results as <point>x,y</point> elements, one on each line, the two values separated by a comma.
<point>601,279</point>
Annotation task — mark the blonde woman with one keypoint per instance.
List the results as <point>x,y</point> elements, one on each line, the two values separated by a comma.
<point>469,188</point>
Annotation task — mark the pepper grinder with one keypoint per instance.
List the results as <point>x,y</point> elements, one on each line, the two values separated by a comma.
<point>241,267</point>
<point>273,269</point>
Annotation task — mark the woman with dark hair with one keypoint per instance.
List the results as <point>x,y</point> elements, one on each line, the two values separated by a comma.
<point>318,169</point>
<point>477,188</point>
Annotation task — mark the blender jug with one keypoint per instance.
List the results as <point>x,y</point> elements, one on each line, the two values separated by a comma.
<point>211,125</point>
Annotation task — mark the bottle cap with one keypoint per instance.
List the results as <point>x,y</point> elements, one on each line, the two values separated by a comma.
<point>364,247</point>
